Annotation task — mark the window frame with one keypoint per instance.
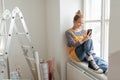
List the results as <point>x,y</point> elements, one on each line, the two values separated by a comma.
<point>104,30</point>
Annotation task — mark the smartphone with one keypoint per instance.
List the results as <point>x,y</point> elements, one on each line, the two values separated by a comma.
<point>89,31</point>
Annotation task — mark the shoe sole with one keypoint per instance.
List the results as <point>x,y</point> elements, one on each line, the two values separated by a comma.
<point>97,71</point>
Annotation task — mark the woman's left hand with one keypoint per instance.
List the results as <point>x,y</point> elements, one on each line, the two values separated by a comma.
<point>87,37</point>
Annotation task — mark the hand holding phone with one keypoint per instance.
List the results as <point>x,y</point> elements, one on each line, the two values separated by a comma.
<point>89,32</point>
<point>88,36</point>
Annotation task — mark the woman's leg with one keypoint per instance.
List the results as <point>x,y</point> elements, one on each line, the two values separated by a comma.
<point>88,46</point>
<point>80,52</point>
<point>84,49</point>
<point>101,63</point>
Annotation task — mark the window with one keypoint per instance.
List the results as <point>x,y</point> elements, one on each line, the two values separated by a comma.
<point>96,14</point>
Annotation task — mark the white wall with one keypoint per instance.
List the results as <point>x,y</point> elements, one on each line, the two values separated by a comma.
<point>53,34</point>
<point>114,26</point>
<point>59,18</point>
<point>114,39</point>
<point>34,14</point>
<point>68,9</point>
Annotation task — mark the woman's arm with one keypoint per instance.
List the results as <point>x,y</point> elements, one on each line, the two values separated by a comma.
<point>70,40</point>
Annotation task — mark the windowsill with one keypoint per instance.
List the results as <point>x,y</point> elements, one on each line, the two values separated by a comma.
<point>85,67</point>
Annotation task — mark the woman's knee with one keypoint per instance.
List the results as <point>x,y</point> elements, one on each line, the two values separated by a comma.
<point>88,45</point>
<point>89,41</point>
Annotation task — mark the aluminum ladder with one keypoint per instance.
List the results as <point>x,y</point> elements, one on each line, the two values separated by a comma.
<point>14,16</point>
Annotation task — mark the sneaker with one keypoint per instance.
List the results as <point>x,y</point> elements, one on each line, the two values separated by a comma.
<point>99,71</point>
<point>89,58</point>
<point>106,72</point>
<point>92,65</point>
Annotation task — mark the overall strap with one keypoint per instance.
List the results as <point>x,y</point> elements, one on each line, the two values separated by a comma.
<point>72,49</point>
<point>74,36</point>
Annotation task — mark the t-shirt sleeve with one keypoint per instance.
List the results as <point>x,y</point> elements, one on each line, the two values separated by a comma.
<point>70,40</point>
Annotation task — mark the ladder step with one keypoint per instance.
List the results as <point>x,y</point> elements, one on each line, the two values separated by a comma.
<point>21,33</point>
<point>26,46</point>
<point>3,34</point>
<point>29,58</point>
<point>18,18</point>
<point>1,56</point>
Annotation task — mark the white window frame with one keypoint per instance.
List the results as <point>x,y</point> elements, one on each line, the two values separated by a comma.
<point>104,30</point>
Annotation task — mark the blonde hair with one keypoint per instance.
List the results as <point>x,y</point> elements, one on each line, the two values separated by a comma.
<point>78,15</point>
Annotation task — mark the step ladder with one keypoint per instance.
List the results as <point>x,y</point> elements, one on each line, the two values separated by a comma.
<point>33,60</point>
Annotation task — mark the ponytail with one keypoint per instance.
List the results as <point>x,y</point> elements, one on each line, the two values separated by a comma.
<point>78,15</point>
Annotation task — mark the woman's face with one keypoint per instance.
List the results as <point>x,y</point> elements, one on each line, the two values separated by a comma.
<point>78,23</point>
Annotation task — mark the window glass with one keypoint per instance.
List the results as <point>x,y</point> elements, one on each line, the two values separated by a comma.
<point>92,9</point>
<point>96,33</point>
<point>97,13</point>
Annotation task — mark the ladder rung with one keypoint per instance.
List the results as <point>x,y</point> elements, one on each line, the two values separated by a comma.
<point>3,34</point>
<point>17,18</point>
<point>21,33</point>
<point>29,58</point>
<point>1,57</point>
<point>26,46</point>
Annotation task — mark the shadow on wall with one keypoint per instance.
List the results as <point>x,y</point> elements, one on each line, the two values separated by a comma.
<point>114,66</point>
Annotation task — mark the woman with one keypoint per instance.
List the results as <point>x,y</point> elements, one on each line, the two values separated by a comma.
<point>81,43</point>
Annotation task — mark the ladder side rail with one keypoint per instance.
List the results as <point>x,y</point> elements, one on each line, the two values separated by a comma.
<point>1,25</point>
<point>24,25</point>
<point>24,48</point>
<point>21,43</point>
<point>1,29</point>
<point>2,70</point>
<point>27,35</point>
<point>8,46</point>
<point>5,16</point>
<point>28,62</point>
<point>12,22</point>
<point>25,51</point>
<point>36,56</point>
<point>27,32</point>
<point>9,37</point>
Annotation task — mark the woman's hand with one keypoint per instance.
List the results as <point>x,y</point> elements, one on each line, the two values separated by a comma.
<point>87,37</point>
